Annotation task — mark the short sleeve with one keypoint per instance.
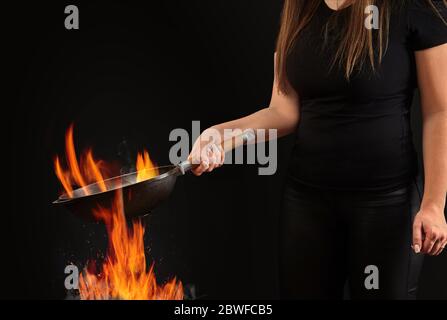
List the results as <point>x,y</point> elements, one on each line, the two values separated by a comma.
<point>427,24</point>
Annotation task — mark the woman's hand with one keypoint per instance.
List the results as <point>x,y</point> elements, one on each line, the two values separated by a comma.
<point>429,232</point>
<point>207,152</point>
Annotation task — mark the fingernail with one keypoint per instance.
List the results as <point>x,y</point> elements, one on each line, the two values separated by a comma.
<point>417,248</point>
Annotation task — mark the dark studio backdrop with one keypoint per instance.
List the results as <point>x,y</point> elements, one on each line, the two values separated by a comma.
<point>132,73</point>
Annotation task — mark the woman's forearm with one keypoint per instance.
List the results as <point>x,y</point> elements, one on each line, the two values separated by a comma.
<point>269,118</point>
<point>435,161</point>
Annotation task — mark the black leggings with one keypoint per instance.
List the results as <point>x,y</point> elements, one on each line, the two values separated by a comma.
<point>329,238</point>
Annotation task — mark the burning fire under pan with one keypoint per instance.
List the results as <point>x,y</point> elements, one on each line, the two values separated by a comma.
<point>99,196</point>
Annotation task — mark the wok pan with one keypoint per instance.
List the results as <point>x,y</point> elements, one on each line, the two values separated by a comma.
<point>139,198</point>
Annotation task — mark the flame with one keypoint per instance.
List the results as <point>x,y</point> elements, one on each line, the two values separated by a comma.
<point>71,158</point>
<point>63,178</point>
<point>89,171</point>
<point>78,174</point>
<point>145,167</point>
<point>124,274</point>
<point>93,168</point>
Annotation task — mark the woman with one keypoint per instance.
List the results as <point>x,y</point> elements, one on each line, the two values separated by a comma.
<point>351,197</point>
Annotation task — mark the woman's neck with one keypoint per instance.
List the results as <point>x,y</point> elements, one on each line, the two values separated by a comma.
<point>337,4</point>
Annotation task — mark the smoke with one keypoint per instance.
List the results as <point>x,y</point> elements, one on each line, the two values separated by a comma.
<point>125,158</point>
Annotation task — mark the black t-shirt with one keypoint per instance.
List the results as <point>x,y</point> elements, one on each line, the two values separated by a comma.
<point>356,135</point>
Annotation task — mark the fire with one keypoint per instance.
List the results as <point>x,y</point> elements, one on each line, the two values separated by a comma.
<point>124,274</point>
<point>145,167</point>
<point>89,171</point>
<point>82,173</point>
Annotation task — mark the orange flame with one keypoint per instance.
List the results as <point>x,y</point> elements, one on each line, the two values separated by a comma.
<point>145,168</point>
<point>63,177</point>
<point>78,174</point>
<point>93,168</point>
<point>71,158</point>
<point>124,274</point>
<point>89,171</point>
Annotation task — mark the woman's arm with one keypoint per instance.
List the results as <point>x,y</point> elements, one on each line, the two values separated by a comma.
<point>282,115</point>
<point>430,228</point>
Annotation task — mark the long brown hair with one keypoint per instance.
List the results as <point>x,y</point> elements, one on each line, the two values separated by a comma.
<point>357,43</point>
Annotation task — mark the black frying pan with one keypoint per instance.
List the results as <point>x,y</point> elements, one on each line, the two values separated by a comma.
<point>139,198</point>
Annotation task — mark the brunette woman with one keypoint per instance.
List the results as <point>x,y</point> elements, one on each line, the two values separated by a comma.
<point>353,211</point>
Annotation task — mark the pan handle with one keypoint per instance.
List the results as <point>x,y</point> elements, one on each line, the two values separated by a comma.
<point>227,145</point>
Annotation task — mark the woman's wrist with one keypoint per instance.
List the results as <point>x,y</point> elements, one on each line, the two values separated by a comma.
<point>433,207</point>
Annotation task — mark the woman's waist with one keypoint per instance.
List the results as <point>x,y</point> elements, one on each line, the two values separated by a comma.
<point>353,170</point>
<point>391,195</point>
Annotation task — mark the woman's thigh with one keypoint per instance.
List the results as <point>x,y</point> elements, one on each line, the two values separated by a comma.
<point>312,246</point>
<point>381,263</point>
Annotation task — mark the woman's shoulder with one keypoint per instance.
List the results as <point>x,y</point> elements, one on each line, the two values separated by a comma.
<point>431,7</point>
<point>426,22</point>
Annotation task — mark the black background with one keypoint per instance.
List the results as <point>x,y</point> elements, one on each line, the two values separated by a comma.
<point>133,72</point>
